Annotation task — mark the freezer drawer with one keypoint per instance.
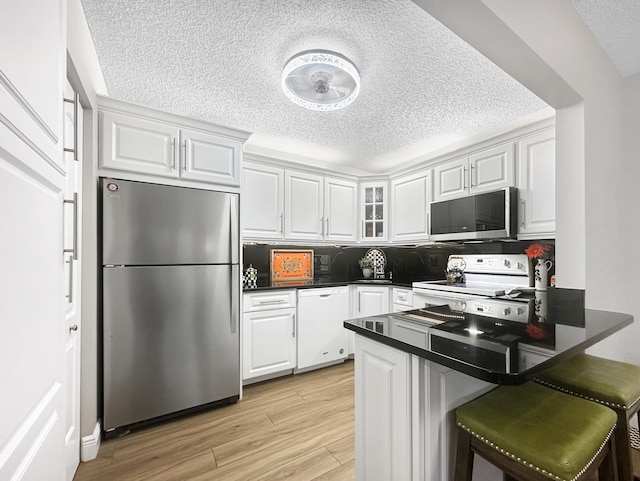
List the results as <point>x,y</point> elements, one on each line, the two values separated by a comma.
<point>171,340</point>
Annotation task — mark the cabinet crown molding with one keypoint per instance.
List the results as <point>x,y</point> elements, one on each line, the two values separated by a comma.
<point>148,113</point>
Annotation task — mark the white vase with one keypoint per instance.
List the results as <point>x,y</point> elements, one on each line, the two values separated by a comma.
<point>367,272</point>
<point>541,273</point>
<point>541,305</point>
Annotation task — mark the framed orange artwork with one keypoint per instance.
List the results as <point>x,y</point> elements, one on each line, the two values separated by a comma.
<point>291,265</point>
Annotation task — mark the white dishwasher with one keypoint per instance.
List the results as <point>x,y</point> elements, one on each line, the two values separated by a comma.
<point>322,337</point>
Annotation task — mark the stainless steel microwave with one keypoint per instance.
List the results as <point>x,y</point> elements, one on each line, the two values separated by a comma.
<point>489,215</point>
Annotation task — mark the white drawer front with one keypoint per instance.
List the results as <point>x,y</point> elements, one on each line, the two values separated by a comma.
<point>266,300</point>
<point>403,297</point>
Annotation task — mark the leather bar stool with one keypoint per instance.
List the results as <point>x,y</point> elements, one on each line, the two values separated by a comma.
<point>533,433</point>
<point>611,383</point>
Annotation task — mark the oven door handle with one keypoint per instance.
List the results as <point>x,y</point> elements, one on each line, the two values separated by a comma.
<point>453,296</point>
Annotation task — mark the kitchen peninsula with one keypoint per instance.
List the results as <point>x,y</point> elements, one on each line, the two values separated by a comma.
<point>407,385</point>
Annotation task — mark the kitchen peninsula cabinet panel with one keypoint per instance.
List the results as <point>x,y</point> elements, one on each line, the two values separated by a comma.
<point>262,201</point>
<point>137,145</point>
<point>383,412</point>
<point>304,214</point>
<point>537,186</point>
<point>410,198</point>
<point>340,202</point>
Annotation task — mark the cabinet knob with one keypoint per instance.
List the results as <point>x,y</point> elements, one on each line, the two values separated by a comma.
<point>73,328</point>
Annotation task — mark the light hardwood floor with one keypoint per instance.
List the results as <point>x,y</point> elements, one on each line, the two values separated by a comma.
<point>297,428</point>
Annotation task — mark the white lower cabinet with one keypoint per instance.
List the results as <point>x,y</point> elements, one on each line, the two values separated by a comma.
<point>322,337</point>
<point>371,300</point>
<point>405,416</point>
<point>383,412</point>
<point>268,333</point>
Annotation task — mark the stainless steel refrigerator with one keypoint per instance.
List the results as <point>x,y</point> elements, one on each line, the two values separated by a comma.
<point>170,301</point>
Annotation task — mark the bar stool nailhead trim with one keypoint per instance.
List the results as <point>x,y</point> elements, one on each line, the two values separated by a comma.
<point>577,394</point>
<point>531,466</point>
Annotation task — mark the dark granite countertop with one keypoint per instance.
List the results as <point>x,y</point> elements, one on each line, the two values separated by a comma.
<point>266,284</point>
<point>532,348</point>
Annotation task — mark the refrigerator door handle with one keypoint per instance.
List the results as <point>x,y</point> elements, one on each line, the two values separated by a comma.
<point>234,229</point>
<point>235,298</point>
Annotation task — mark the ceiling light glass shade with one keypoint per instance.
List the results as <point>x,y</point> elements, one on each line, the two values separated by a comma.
<point>320,80</point>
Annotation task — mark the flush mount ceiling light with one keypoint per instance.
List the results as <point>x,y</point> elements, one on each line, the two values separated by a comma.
<point>320,80</point>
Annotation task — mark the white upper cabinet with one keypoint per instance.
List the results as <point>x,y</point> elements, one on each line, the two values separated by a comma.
<point>374,211</point>
<point>410,198</point>
<point>209,158</point>
<point>492,169</point>
<point>140,140</point>
<point>451,179</point>
<point>489,169</point>
<point>138,145</point>
<point>290,204</point>
<point>304,206</point>
<point>341,215</point>
<point>262,201</point>
<point>537,185</point>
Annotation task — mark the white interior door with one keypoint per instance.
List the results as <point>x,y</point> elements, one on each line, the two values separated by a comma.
<point>72,229</point>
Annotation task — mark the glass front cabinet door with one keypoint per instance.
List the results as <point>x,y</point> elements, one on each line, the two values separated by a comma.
<point>374,211</point>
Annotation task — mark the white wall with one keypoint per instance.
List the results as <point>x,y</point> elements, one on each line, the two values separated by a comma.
<point>629,269</point>
<point>86,77</point>
<point>593,137</point>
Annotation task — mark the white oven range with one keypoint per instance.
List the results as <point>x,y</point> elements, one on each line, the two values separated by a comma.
<point>492,284</point>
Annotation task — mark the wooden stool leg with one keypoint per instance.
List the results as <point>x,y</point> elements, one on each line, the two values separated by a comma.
<point>607,469</point>
<point>623,447</point>
<point>464,457</point>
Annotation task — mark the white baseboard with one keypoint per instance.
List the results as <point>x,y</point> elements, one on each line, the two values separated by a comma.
<point>90,445</point>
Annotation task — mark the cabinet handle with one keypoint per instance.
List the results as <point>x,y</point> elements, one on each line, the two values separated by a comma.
<point>233,228</point>
<point>69,295</point>
<point>464,178</point>
<point>173,154</point>
<point>293,332</point>
<point>471,176</point>
<point>327,219</point>
<point>277,301</point>
<point>74,249</point>
<point>322,225</point>
<point>524,210</point>
<point>359,293</point>
<point>76,126</point>
<point>235,298</point>
<point>184,155</point>
<point>281,223</point>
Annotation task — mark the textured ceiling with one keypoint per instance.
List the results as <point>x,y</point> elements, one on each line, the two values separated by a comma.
<point>616,26</point>
<point>221,61</point>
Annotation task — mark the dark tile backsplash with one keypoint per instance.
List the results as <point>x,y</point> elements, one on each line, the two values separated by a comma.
<point>406,264</point>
